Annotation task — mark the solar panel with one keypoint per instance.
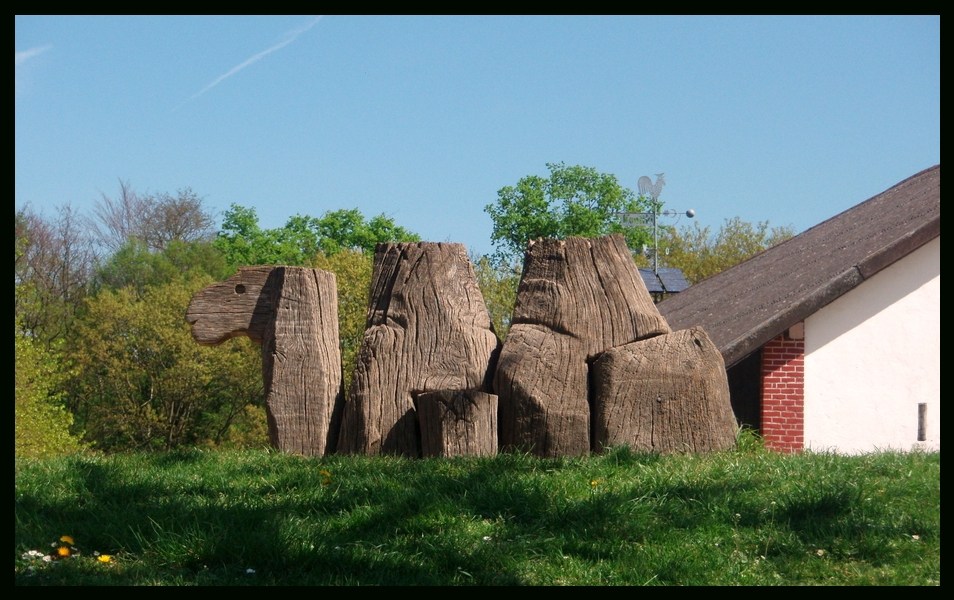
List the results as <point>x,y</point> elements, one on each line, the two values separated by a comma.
<point>673,281</point>
<point>653,284</point>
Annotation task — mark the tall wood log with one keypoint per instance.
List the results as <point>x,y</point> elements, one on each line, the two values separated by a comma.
<point>667,394</point>
<point>293,313</point>
<point>428,330</point>
<point>457,423</point>
<point>577,298</point>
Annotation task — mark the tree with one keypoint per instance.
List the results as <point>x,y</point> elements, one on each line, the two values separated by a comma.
<point>141,382</point>
<point>245,243</point>
<point>700,254</point>
<point>155,220</point>
<point>179,218</point>
<point>135,265</point>
<point>498,283</point>
<point>572,201</point>
<point>352,269</point>
<point>347,229</point>
<point>119,219</point>
<point>53,266</point>
<point>41,422</point>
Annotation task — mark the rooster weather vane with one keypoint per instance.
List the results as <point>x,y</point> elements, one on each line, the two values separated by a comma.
<point>648,188</point>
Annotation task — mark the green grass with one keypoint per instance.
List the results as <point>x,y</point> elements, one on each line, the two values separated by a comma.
<point>747,517</point>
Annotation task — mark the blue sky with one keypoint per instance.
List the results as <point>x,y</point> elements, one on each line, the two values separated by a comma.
<point>785,119</point>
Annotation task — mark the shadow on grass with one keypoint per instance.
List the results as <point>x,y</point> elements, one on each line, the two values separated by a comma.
<point>205,518</point>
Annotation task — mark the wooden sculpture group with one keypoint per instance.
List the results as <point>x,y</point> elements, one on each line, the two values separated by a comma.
<point>588,362</point>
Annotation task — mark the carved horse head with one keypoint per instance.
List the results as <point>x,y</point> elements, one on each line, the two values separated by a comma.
<point>240,305</point>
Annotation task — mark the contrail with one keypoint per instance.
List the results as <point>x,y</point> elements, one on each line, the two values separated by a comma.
<point>21,57</point>
<point>289,37</point>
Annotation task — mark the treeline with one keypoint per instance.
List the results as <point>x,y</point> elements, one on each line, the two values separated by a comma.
<point>105,359</point>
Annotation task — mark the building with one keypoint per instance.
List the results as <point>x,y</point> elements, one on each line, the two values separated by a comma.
<point>831,339</point>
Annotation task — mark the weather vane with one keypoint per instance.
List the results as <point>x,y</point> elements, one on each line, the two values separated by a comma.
<point>647,188</point>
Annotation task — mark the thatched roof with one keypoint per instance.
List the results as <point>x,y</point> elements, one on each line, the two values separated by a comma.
<point>747,305</point>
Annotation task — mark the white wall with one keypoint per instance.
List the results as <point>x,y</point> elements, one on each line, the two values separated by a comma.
<point>872,356</point>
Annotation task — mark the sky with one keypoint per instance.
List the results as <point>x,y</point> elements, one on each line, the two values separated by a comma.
<point>788,120</point>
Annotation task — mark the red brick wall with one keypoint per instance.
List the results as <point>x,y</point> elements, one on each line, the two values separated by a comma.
<point>783,394</point>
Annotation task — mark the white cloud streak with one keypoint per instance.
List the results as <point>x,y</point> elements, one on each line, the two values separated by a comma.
<point>21,70</point>
<point>25,55</point>
<point>288,38</point>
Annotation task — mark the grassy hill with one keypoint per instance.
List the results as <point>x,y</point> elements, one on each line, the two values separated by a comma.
<point>745,517</point>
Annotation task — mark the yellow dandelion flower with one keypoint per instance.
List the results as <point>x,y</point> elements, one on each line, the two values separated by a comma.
<point>63,551</point>
<point>67,539</point>
<point>105,558</point>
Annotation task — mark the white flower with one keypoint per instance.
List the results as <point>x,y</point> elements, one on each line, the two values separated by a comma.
<point>250,571</point>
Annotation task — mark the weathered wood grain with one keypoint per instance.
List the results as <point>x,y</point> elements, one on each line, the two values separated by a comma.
<point>293,313</point>
<point>667,394</point>
<point>235,307</point>
<point>457,423</point>
<point>577,297</point>
<point>428,330</point>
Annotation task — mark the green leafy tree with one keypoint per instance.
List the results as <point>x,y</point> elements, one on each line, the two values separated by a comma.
<point>699,253</point>
<point>352,269</point>
<point>196,258</point>
<point>498,281</point>
<point>135,265</point>
<point>572,201</point>
<point>141,382</point>
<point>347,229</point>
<point>245,242</point>
<point>42,424</point>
